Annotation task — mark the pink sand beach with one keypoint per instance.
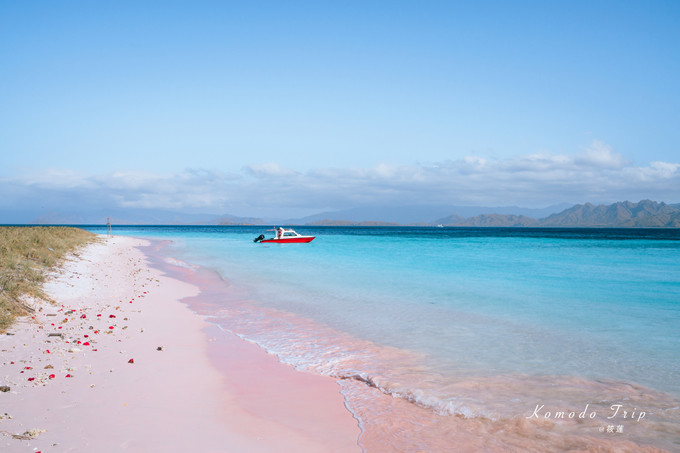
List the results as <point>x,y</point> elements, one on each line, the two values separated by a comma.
<point>120,363</point>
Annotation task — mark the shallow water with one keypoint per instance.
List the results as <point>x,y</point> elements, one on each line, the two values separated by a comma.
<point>470,329</point>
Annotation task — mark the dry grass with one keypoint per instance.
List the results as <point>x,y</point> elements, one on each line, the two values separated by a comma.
<point>26,254</point>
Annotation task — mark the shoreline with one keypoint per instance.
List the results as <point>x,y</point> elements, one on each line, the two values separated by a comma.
<point>400,423</point>
<point>307,403</point>
<point>209,389</point>
<point>150,373</point>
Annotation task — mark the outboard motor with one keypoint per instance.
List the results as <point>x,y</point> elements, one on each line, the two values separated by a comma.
<point>259,238</point>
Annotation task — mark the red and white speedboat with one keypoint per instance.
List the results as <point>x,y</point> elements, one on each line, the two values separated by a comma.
<point>285,236</point>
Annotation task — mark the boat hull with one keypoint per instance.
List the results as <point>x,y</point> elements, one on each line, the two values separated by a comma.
<point>290,240</point>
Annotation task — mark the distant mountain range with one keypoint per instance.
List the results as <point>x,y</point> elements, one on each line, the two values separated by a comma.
<point>415,215</point>
<point>489,220</point>
<point>625,214</point>
<point>645,213</point>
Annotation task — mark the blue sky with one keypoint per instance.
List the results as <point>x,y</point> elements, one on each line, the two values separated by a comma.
<point>275,108</point>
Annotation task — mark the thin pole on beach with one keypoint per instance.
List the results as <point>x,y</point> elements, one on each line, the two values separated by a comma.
<point>108,227</point>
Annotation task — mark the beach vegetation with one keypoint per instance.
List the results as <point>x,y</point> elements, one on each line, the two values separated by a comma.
<point>27,254</point>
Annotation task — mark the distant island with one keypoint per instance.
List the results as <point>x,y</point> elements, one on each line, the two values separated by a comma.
<point>625,214</point>
<point>645,214</point>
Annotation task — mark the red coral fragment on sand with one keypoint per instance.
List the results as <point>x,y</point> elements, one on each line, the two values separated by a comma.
<point>111,327</point>
<point>51,376</point>
<point>27,368</point>
<point>83,316</point>
<point>99,316</point>
<point>31,379</point>
<point>112,316</point>
<point>131,361</point>
<point>87,343</point>
<point>47,351</point>
<point>68,375</point>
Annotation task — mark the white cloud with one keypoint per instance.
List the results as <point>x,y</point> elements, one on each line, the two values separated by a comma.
<point>596,174</point>
<point>600,155</point>
<point>268,169</point>
<point>657,171</point>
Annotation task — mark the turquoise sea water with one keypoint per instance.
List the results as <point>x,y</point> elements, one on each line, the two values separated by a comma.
<point>422,313</point>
